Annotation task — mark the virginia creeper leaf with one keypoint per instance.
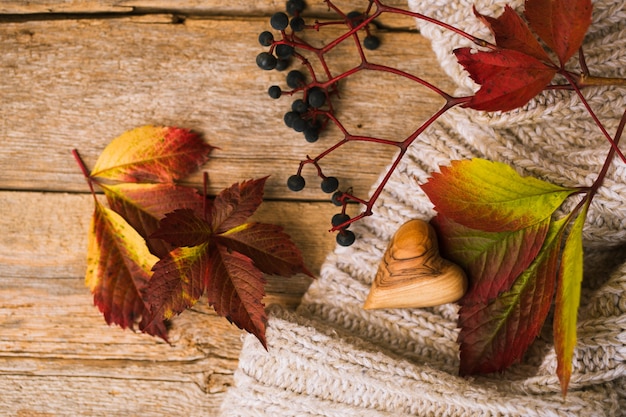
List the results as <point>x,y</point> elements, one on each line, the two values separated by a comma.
<point>178,281</point>
<point>493,260</point>
<point>512,32</point>
<point>235,289</point>
<point>267,245</point>
<point>234,205</point>
<point>508,78</point>
<point>143,205</point>
<point>561,24</point>
<point>568,299</point>
<point>491,196</point>
<point>496,334</point>
<point>118,269</point>
<point>183,227</point>
<point>152,154</point>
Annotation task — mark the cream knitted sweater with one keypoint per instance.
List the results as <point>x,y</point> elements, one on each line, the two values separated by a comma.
<point>332,358</point>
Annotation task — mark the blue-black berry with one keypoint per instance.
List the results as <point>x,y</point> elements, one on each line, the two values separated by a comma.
<point>340,218</point>
<point>299,106</point>
<point>299,124</point>
<point>295,182</point>
<point>345,238</point>
<point>282,64</point>
<point>266,61</point>
<point>297,24</point>
<point>295,79</point>
<point>316,97</point>
<point>330,184</point>
<point>266,38</point>
<point>279,21</point>
<point>371,42</point>
<point>336,198</point>
<point>311,134</point>
<point>274,91</point>
<point>284,51</point>
<point>355,18</point>
<point>290,117</point>
<point>295,6</point>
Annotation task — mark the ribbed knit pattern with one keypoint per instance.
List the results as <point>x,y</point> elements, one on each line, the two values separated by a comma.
<point>332,358</point>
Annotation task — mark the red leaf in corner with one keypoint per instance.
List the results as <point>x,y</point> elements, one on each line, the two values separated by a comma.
<point>561,24</point>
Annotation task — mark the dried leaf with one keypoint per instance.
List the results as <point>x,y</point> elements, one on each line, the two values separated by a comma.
<point>118,269</point>
<point>234,205</point>
<point>152,154</point>
<point>184,228</point>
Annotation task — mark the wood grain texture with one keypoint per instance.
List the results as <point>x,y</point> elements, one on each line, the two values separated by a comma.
<point>76,74</point>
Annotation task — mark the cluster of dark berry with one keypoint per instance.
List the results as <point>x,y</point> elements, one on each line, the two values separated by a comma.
<point>311,113</point>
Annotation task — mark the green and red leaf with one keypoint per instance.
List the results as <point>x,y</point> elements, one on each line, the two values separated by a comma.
<point>561,24</point>
<point>235,289</point>
<point>118,269</point>
<point>492,260</point>
<point>491,196</point>
<point>152,154</point>
<point>496,334</point>
<point>568,299</point>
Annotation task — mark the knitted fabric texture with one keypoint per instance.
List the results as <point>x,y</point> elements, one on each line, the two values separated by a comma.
<point>332,358</point>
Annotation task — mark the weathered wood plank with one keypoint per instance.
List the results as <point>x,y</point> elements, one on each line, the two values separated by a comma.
<point>80,83</point>
<point>58,355</point>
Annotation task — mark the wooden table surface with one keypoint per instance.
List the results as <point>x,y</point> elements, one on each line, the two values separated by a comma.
<point>78,73</point>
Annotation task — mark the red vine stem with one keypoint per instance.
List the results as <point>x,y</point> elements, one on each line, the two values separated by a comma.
<point>85,171</point>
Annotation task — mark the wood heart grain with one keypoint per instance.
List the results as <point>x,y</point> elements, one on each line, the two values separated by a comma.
<point>412,273</point>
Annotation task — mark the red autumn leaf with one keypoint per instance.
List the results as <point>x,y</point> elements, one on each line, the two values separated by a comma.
<point>235,289</point>
<point>118,270</point>
<point>234,205</point>
<point>508,78</point>
<point>492,260</point>
<point>561,24</point>
<point>152,154</point>
<point>178,281</point>
<point>227,264</point>
<point>496,334</point>
<point>512,32</point>
<point>144,205</point>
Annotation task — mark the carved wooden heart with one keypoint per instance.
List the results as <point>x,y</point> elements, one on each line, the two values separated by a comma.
<point>413,274</point>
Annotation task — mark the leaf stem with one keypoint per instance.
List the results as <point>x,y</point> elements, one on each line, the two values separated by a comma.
<point>85,171</point>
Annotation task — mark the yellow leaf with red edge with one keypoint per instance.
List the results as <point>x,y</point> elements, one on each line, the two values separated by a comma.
<point>152,154</point>
<point>118,269</point>
<point>568,299</point>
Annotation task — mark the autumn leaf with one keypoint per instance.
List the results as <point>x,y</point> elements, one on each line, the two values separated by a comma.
<point>491,196</point>
<point>568,299</point>
<point>152,154</point>
<point>561,24</point>
<point>496,334</point>
<point>118,269</point>
<point>223,256</point>
<point>494,260</point>
<point>144,205</point>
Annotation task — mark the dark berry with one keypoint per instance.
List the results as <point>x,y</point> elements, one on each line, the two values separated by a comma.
<point>266,38</point>
<point>299,106</point>
<point>274,91</point>
<point>295,6</point>
<point>282,64</point>
<point>371,42</point>
<point>295,79</point>
<point>330,184</point>
<point>297,24</point>
<point>290,117</point>
<point>284,51</point>
<point>311,134</point>
<point>316,97</point>
<point>279,21</point>
<point>296,182</point>
<point>355,18</point>
<point>340,218</point>
<point>299,124</point>
<point>336,198</point>
<point>345,238</point>
<point>266,61</point>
